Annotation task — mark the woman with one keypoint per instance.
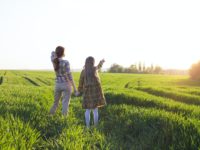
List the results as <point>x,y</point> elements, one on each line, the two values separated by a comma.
<point>64,80</point>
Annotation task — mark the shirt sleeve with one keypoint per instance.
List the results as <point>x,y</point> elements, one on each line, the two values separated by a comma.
<point>99,66</point>
<point>53,56</point>
<point>68,71</point>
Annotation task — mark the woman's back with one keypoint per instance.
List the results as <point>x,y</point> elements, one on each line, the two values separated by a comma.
<point>61,73</point>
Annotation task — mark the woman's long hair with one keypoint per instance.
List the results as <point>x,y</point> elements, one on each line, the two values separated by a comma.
<point>89,70</point>
<point>60,53</point>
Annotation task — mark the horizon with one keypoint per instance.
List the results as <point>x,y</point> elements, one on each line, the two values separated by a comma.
<point>163,33</point>
<point>79,69</point>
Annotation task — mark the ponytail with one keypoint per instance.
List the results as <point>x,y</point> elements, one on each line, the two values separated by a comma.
<point>56,64</point>
<point>59,53</point>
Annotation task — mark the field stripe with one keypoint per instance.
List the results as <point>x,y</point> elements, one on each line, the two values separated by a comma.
<point>185,98</point>
<point>31,81</point>
<point>142,99</point>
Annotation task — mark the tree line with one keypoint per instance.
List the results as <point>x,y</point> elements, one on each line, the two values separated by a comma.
<point>135,68</point>
<point>194,70</point>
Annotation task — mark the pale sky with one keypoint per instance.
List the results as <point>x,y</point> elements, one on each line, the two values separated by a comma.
<point>162,32</point>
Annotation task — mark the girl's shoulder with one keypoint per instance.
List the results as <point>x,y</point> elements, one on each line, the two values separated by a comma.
<point>82,71</point>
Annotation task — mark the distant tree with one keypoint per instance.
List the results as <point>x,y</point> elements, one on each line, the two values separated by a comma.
<point>116,68</point>
<point>157,69</point>
<point>133,69</point>
<point>140,67</point>
<point>127,70</point>
<point>152,68</point>
<point>148,70</point>
<point>195,71</point>
<point>144,67</point>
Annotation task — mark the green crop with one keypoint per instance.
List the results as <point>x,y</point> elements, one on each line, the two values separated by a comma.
<point>143,112</point>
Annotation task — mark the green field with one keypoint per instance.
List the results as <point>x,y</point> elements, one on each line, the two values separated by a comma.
<point>143,112</point>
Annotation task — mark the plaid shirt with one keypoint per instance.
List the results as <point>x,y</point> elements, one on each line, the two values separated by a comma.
<point>92,94</point>
<point>63,74</point>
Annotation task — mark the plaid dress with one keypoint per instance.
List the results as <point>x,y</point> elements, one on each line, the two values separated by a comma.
<point>93,96</point>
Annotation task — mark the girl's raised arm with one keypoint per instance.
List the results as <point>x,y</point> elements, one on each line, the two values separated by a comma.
<point>100,64</point>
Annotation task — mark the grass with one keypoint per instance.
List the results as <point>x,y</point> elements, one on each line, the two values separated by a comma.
<point>142,112</point>
<point>175,95</point>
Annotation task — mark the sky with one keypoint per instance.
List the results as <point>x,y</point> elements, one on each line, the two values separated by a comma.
<point>159,32</point>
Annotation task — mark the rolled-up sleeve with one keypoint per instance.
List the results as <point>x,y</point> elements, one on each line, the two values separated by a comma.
<point>53,56</point>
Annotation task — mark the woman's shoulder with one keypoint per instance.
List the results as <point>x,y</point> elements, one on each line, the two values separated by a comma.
<point>65,61</point>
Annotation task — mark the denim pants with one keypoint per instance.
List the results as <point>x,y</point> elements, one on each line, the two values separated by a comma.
<point>63,90</point>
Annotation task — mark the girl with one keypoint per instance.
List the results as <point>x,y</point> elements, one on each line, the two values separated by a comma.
<point>64,80</point>
<point>90,87</point>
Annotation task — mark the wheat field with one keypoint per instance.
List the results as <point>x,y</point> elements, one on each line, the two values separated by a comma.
<point>143,111</point>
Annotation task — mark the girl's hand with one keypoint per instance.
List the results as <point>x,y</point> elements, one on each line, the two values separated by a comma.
<point>102,61</point>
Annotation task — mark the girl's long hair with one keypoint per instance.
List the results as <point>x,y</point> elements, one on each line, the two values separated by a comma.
<point>60,53</point>
<point>89,70</point>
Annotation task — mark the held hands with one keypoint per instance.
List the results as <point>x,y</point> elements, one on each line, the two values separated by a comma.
<point>76,93</point>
